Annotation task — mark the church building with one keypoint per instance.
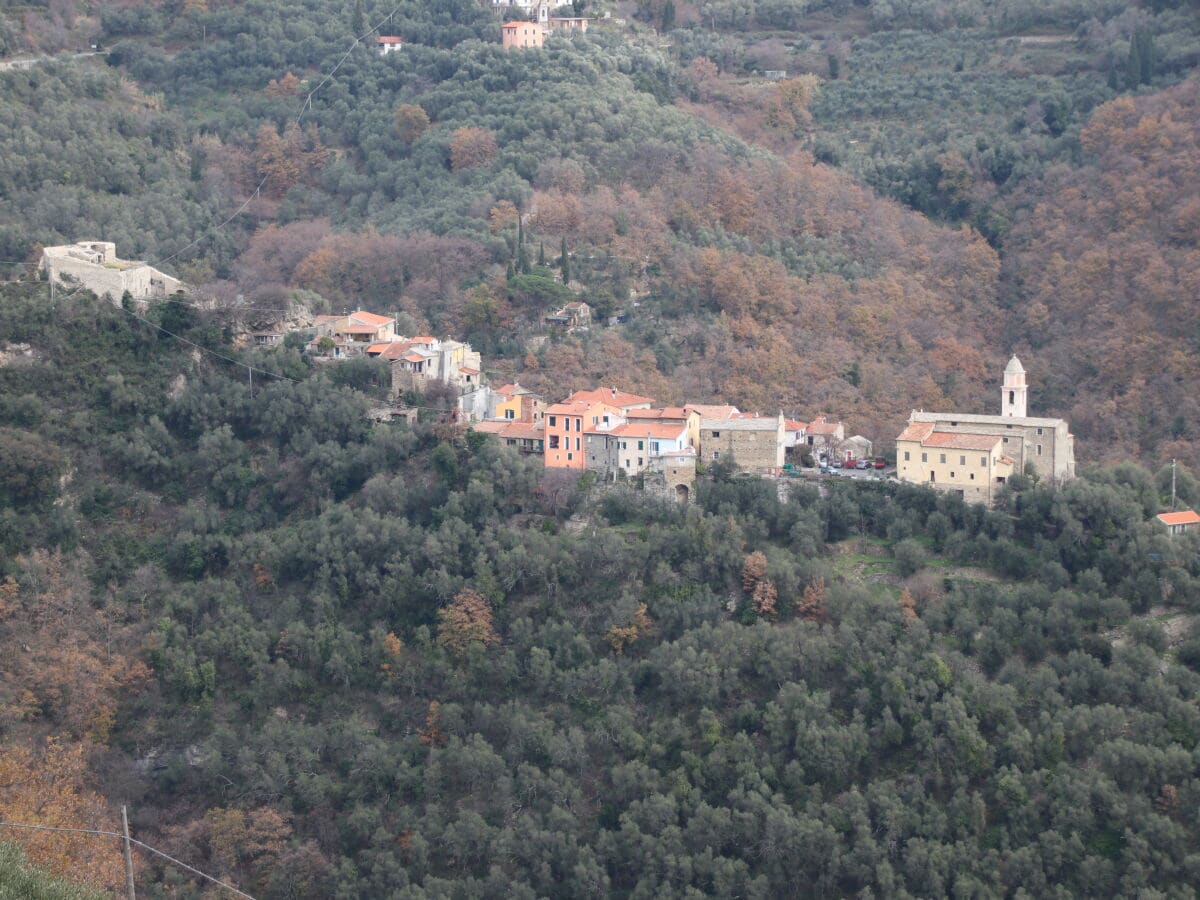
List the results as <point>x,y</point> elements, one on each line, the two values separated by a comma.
<point>974,455</point>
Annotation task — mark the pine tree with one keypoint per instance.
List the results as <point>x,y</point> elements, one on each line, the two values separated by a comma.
<point>668,16</point>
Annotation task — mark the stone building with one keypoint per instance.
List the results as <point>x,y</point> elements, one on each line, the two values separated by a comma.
<point>1045,445</point>
<point>95,265</point>
<point>972,465</point>
<point>752,442</point>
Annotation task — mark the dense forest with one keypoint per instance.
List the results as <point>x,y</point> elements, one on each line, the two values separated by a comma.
<point>828,242</point>
<point>321,657</point>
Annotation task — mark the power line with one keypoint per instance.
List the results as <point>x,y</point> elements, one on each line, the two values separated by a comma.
<point>101,833</point>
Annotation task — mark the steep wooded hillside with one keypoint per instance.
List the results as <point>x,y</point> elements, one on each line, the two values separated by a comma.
<point>1105,272</point>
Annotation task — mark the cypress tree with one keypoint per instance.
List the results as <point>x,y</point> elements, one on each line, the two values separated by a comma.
<point>562,259</point>
<point>523,260</point>
<point>1147,56</point>
<point>835,66</point>
<point>1133,65</point>
<point>668,16</point>
<point>511,273</point>
<point>359,22</point>
<point>541,253</point>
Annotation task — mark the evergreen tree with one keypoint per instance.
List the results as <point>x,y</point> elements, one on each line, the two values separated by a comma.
<point>523,265</point>
<point>835,66</point>
<point>668,16</point>
<point>1133,64</point>
<point>564,262</point>
<point>359,20</point>
<point>541,253</point>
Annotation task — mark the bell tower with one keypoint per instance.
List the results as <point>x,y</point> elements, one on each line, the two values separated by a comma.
<point>1014,401</point>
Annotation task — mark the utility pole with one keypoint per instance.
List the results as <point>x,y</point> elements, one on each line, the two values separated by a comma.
<point>250,369</point>
<point>128,855</point>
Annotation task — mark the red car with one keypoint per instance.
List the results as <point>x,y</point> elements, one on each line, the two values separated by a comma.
<point>880,462</point>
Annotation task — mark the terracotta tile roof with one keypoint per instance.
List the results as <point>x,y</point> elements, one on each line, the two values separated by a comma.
<point>954,440</point>
<point>568,408</point>
<point>916,431</point>
<point>711,411</point>
<point>820,426</point>
<point>509,390</point>
<point>414,357</point>
<point>649,430</point>
<point>665,412</point>
<point>389,39</point>
<point>514,24</point>
<point>467,370</point>
<point>325,320</point>
<point>1184,517</point>
<point>1006,460</point>
<point>378,348</point>
<point>504,428</point>
<point>362,317</point>
<point>611,396</point>
<point>793,425</point>
<point>423,339</point>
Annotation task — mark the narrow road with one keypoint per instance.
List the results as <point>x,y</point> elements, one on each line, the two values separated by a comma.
<point>6,64</point>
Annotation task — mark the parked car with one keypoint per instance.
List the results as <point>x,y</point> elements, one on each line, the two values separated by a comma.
<point>863,464</point>
<point>836,463</point>
<point>880,462</point>
<point>826,469</point>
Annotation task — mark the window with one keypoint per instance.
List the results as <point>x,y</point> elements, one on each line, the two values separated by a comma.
<point>1006,440</point>
<point>509,414</point>
<point>933,476</point>
<point>924,457</point>
<point>552,421</point>
<point>983,461</point>
<point>606,420</point>
<point>951,474</point>
<point>953,424</point>
<point>716,434</point>
<point>972,476</point>
<point>906,456</point>
<point>654,446</point>
<point>554,442</point>
<point>1012,396</point>
<point>1039,449</point>
<point>627,464</point>
<point>595,420</point>
<point>639,462</point>
<point>716,454</point>
<point>962,460</point>
<point>570,456</point>
<point>641,445</point>
<point>1039,432</point>
<point>576,443</point>
<point>943,457</point>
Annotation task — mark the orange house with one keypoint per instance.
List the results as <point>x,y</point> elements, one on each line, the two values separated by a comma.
<point>565,424</point>
<point>522,35</point>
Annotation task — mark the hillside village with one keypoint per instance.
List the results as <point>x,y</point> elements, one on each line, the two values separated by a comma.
<point>619,435</point>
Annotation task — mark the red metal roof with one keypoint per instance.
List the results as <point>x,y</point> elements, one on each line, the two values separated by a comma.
<point>1183,517</point>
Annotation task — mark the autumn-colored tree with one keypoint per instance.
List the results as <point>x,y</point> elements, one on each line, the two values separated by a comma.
<point>76,661</point>
<point>392,650</point>
<point>503,215</point>
<point>908,605</point>
<point>286,160</point>
<point>621,636</point>
<point>788,109</point>
<point>48,787</point>
<point>466,622</point>
<point>765,598</point>
<point>431,734</point>
<point>754,569</point>
<point>471,147</point>
<point>287,86</point>
<point>812,604</point>
<point>411,121</point>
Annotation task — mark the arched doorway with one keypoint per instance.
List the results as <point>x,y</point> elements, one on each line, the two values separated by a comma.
<point>681,493</point>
